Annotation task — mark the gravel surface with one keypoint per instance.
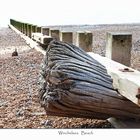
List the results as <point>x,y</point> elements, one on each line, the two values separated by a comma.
<point>19,105</point>
<point>9,40</point>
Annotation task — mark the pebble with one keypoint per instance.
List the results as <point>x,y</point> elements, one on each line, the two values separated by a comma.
<point>3,103</point>
<point>19,112</point>
<point>47,123</point>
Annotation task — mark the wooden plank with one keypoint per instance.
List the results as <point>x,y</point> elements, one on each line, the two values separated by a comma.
<point>42,39</point>
<point>126,80</point>
<point>29,41</point>
<point>117,123</point>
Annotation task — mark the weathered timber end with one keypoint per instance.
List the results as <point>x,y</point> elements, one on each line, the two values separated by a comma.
<point>74,84</point>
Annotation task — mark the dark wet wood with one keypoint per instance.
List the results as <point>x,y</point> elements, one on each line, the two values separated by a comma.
<point>74,84</point>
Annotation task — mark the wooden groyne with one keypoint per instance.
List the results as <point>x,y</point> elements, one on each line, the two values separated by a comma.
<point>125,79</point>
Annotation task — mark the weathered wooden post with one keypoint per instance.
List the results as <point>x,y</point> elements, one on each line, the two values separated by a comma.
<point>45,31</point>
<point>24,28</point>
<point>118,47</point>
<point>30,30</point>
<point>76,38</point>
<point>20,26</point>
<point>34,28</point>
<point>11,21</point>
<point>55,34</point>
<point>66,36</point>
<point>38,29</point>
<point>84,40</point>
<point>15,24</point>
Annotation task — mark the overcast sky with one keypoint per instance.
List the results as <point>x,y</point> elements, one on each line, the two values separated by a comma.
<point>53,12</point>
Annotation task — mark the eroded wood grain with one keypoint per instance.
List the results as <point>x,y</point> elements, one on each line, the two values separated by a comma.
<point>74,84</point>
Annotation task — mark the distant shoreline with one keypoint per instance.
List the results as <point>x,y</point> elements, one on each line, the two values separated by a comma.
<point>87,25</point>
<point>95,25</point>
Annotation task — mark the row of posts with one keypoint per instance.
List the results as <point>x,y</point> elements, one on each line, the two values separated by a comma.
<point>118,45</point>
<point>25,28</point>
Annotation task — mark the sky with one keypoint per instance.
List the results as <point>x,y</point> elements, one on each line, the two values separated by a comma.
<point>66,12</point>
